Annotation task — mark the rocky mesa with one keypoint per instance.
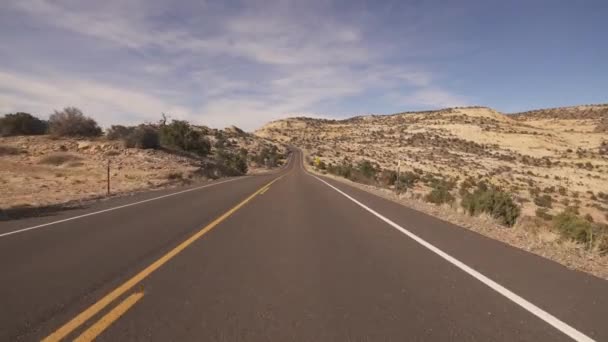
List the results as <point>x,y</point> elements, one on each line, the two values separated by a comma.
<point>544,168</point>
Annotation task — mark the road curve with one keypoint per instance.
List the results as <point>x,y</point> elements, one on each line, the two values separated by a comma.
<point>282,256</point>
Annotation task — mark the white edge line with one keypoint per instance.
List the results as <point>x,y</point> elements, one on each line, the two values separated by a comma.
<point>535,310</point>
<point>115,208</point>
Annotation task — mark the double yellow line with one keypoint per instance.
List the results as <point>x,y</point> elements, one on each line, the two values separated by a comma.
<point>113,315</point>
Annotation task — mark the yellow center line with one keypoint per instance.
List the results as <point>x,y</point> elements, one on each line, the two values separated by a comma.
<point>84,316</point>
<point>104,322</point>
<point>264,190</point>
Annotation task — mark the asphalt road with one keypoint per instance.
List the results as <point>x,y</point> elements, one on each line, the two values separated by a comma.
<point>300,259</point>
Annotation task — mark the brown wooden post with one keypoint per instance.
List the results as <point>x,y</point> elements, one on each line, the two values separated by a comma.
<point>108,177</point>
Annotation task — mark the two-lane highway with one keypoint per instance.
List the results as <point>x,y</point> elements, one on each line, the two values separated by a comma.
<point>284,256</point>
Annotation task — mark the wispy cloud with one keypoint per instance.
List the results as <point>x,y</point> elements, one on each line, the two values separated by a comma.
<point>210,63</point>
<point>429,97</point>
<point>109,103</point>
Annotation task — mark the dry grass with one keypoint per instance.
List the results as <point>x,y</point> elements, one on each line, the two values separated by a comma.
<point>9,150</point>
<point>58,159</point>
<point>40,171</point>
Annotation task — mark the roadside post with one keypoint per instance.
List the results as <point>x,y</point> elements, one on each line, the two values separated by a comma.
<point>108,177</point>
<point>398,176</point>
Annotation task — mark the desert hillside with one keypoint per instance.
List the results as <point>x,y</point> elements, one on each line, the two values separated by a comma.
<point>547,160</point>
<point>41,170</point>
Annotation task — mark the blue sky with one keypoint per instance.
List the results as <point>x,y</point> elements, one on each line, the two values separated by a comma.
<point>245,63</point>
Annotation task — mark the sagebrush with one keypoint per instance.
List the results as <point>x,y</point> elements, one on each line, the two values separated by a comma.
<point>71,122</point>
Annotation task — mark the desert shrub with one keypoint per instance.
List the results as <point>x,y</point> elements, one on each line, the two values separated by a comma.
<point>573,227</point>
<point>268,156</point>
<point>9,150</point>
<point>71,122</point>
<point>365,172</point>
<point>117,132</point>
<point>59,158</point>
<point>542,213</point>
<point>439,194</point>
<point>321,165</point>
<point>604,148</point>
<point>231,164</point>
<point>220,141</point>
<point>144,137</point>
<point>22,124</point>
<point>181,135</point>
<point>175,176</point>
<point>535,191</point>
<point>466,185</point>
<point>493,201</point>
<point>544,201</point>
<point>345,170</point>
<point>387,177</point>
<point>448,183</point>
<point>367,169</point>
<point>602,242</point>
<point>562,191</point>
<point>408,179</point>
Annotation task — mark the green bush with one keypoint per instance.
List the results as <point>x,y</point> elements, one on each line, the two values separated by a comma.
<point>602,243</point>
<point>387,177</point>
<point>408,179</point>
<point>268,156</point>
<point>493,201</point>
<point>572,226</point>
<point>231,164</point>
<point>71,122</point>
<point>440,194</point>
<point>220,141</point>
<point>466,184</point>
<point>144,137</point>
<point>343,170</point>
<point>367,169</point>
<point>180,135</point>
<point>22,124</point>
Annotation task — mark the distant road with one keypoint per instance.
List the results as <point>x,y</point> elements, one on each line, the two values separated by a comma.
<point>285,256</point>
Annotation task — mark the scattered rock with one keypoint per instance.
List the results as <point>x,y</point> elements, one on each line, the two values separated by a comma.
<point>84,145</point>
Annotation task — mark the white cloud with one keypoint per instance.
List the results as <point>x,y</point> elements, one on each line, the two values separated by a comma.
<point>430,97</point>
<point>241,67</point>
<point>107,103</point>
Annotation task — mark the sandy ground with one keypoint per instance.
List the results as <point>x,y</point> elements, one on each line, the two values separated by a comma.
<point>46,171</point>
<point>38,171</point>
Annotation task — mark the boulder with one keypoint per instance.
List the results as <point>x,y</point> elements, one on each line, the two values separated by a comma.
<point>84,145</point>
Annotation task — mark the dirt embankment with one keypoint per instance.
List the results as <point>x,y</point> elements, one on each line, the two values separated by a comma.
<point>40,171</point>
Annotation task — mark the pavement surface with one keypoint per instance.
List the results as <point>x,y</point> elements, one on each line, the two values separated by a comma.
<point>285,256</point>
